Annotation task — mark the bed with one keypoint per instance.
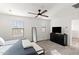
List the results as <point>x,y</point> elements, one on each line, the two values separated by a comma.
<point>14,47</point>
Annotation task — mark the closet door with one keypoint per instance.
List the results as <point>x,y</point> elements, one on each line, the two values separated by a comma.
<point>41,33</point>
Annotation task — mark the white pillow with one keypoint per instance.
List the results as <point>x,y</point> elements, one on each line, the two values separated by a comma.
<point>2,42</point>
<point>26,43</point>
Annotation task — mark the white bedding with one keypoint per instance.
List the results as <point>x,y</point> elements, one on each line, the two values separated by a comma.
<point>8,45</point>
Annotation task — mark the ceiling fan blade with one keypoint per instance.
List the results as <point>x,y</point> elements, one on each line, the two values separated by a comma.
<point>76,5</point>
<point>32,13</point>
<point>43,11</point>
<point>44,15</point>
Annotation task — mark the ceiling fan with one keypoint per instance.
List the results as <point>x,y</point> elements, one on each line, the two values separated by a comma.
<point>76,5</point>
<point>40,13</point>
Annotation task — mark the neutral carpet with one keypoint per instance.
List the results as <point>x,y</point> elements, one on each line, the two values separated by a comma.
<point>52,48</point>
<point>75,42</point>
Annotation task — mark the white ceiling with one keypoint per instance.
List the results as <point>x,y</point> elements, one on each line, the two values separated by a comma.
<point>22,9</point>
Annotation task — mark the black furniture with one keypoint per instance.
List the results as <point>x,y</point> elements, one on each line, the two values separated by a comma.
<point>59,38</point>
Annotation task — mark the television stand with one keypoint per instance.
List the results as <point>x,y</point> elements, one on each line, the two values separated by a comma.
<point>59,38</point>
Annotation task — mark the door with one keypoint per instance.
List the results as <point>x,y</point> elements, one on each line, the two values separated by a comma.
<point>41,33</point>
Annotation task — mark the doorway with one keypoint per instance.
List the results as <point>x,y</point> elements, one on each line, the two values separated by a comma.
<point>75,33</point>
<point>39,33</point>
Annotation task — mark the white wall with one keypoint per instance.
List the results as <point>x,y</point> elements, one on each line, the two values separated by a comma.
<point>75,28</point>
<point>29,22</point>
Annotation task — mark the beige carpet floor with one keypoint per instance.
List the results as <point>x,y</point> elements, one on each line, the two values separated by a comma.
<point>52,48</point>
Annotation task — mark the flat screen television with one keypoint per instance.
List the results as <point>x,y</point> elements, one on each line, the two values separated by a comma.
<point>56,29</point>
